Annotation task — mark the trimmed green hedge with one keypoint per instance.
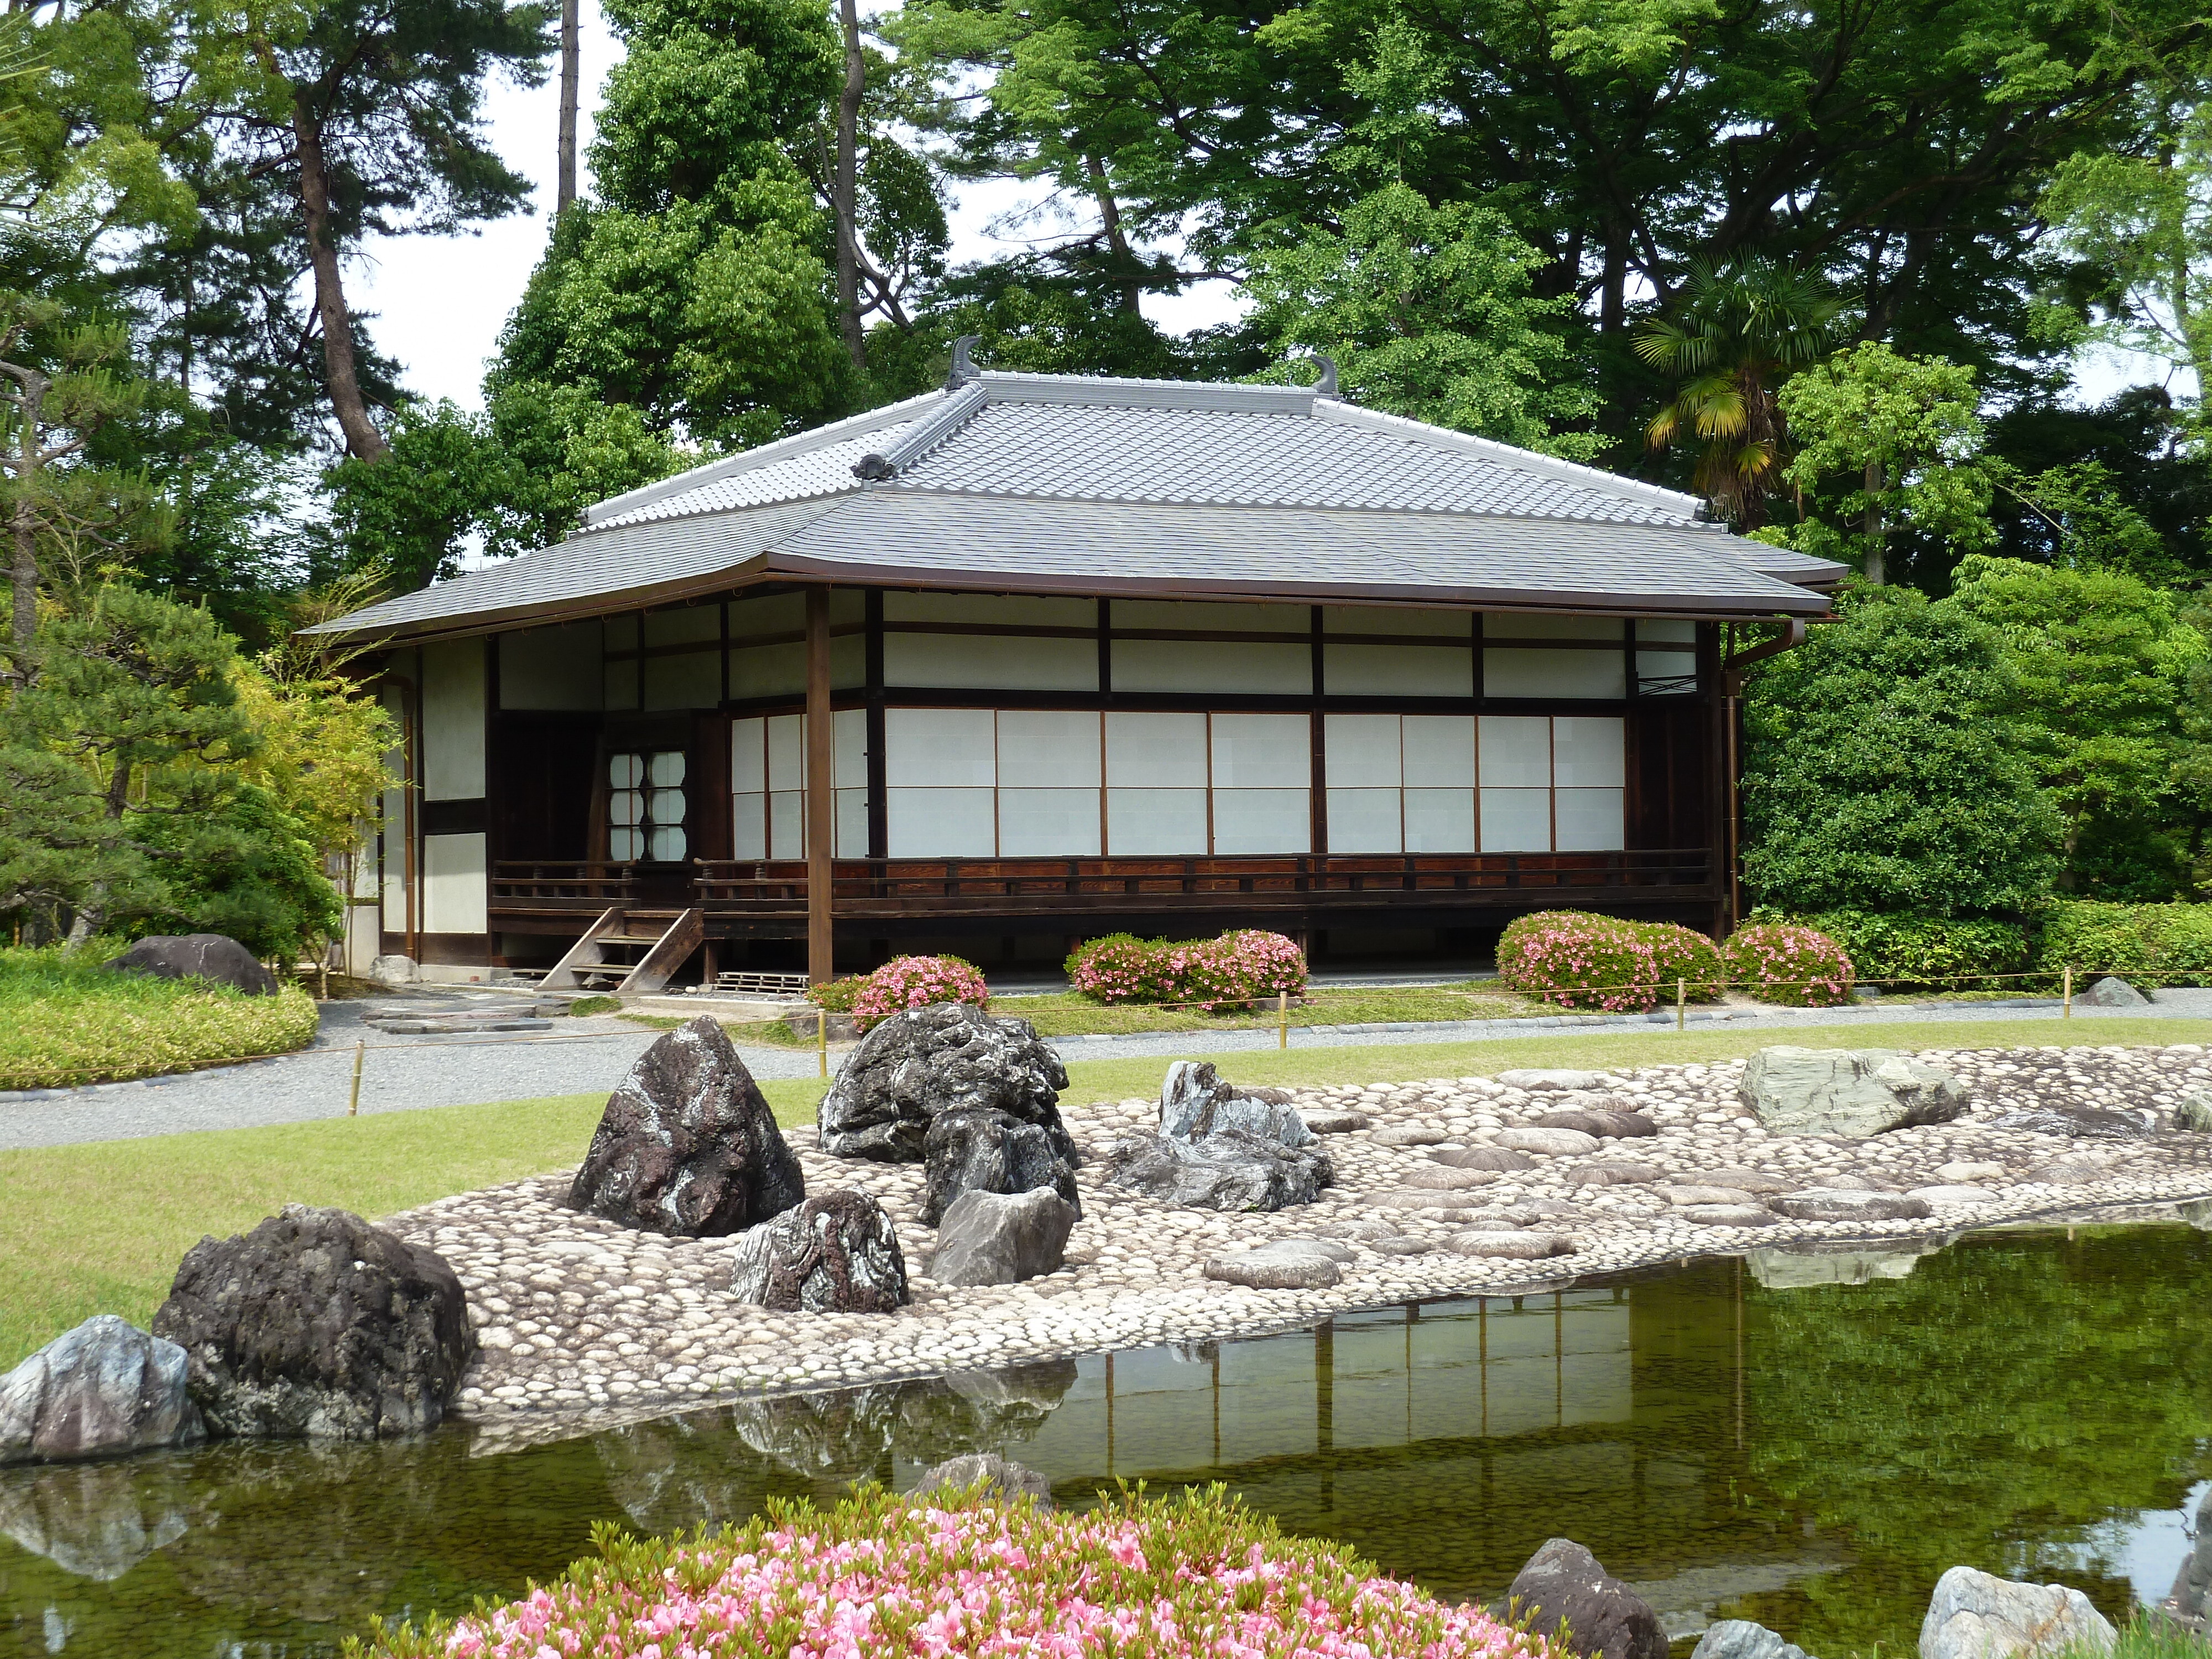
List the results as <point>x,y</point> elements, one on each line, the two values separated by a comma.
<point>1946,951</point>
<point>2161,944</point>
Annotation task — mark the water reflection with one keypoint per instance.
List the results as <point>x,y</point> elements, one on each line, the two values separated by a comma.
<point>1807,1440</point>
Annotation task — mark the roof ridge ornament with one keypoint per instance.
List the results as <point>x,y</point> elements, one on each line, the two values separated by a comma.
<point>1325,386</point>
<point>959,407</point>
<point>963,369</point>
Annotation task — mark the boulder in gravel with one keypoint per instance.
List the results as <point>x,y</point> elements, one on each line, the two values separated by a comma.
<point>1549,1143</point>
<point>835,1254</point>
<point>1229,1170</point>
<point>102,1389</point>
<point>2074,1122</point>
<point>2110,993</point>
<point>1502,1159</point>
<point>1327,1122</point>
<point>1615,1173</point>
<point>1511,1244</point>
<point>1563,1582</point>
<point>215,957</point>
<point>1284,1266</point>
<point>1739,1638</point>
<point>1977,1615</point>
<point>2193,1111</point>
<point>1556,1081</point>
<point>688,1146</point>
<point>998,1479</point>
<point>318,1325</point>
<point>983,1150</point>
<point>392,971</point>
<point>1848,1204</point>
<point>1195,1100</point>
<point>1855,1092</point>
<point>948,1057</point>
<point>1728,1215</point>
<point>1002,1238</point>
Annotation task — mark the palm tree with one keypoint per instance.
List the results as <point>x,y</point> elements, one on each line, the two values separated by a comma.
<point>1742,329</point>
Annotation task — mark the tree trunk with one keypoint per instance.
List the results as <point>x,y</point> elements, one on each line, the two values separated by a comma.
<point>1110,217</point>
<point>571,72</point>
<point>362,439</point>
<point>847,188</point>
<point>23,571</point>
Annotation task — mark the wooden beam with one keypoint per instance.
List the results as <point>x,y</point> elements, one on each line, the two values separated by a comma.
<point>821,790</point>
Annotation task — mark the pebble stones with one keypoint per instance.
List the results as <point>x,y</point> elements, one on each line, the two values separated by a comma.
<point>1503,1159</point>
<point>1614,1174</point>
<point>1290,1264</point>
<point>1443,1178</point>
<point>1548,1143</point>
<point>1408,1134</point>
<point>1728,1215</point>
<point>1510,1244</point>
<point>1336,1123</point>
<point>1844,1203</point>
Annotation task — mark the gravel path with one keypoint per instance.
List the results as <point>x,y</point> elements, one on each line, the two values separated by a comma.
<point>590,1056</point>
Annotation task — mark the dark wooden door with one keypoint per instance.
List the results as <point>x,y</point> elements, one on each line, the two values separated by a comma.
<point>542,776</point>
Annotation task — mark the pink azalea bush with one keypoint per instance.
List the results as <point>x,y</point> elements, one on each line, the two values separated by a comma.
<point>837,995</point>
<point>1581,960</point>
<point>1211,974</point>
<point>906,982</point>
<point>1797,966</point>
<point>881,1576</point>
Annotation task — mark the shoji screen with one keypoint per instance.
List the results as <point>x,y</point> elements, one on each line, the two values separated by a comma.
<point>768,784</point>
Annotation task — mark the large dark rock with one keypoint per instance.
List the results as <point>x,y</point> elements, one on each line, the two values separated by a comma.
<point>983,1150</point>
<point>102,1389</point>
<point>2074,1122</point>
<point>318,1324</point>
<point>948,1057</point>
<point>211,957</point>
<point>835,1254</point>
<point>1195,1100</point>
<point>1563,1580</point>
<point>1228,1169</point>
<point>1002,1238</point>
<point>687,1146</point>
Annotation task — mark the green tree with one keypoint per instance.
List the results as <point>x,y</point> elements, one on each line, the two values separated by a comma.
<point>241,866</point>
<point>1740,329</point>
<point>1885,769</point>
<point>1897,442</point>
<point>2100,663</point>
<point>1429,314</point>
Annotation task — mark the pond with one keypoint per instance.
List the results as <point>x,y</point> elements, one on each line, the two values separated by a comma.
<point>1806,1440</point>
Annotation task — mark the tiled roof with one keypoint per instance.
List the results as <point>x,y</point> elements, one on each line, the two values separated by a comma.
<point>1057,481</point>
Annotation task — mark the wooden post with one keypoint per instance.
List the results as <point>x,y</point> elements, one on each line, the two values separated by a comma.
<point>1682,1005</point>
<point>822,1042</point>
<point>1282,1019</point>
<point>821,789</point>
<point>2066,1007</point>
<point>353,1100</point>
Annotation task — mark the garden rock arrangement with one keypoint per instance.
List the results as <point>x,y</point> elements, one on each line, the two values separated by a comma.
<point>104,1388</point>
<point>1563,1582</point>
<point>583,1321</point>
<point>1002,1238</point>
<point>316,1324</point>
<point>1220,1148</point>
<point>983,1150</point>
<point>1847,1091</point>
<point>948,1057</point>
<point>215,957</point>
<point>835,1254</point>
<point>688,1146</point>
<point>1977,1615</point>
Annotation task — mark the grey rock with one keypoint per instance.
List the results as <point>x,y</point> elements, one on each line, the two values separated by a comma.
<point>392,972</point>
<point>1620,1125</point>
<point>1977,1615</point>
<point>104,1388</point>
<point>1334,1122</point>
<point>1728,1215</point>
<point>2193,1111</point>
<point>1002,1238</point>
<point>1563,1582</point>
<point>1398,1244</point>
<point>211,957</point>
<point>688,1146</point>
<point>1229,1170</point>
<point>995,1479</point>
<point>1442,1178</point>
<point>1335,1249</point>
<point>1419,1198</point>
<point>1275,1267</point>
<point>1367,1231</point>
<point>1541,1081</point>
<point>2110,993</point>
<point>1195,1100</point>
<point>318,1325</point>
<point>1699,1192</point>
<point>1550,1143</point>
<point>1408,1134</point>
<point>835,1254</point>
<point>2191,1595</point>
<point>1850,1091</point>
<point>1757,1183</point>
<point>1848,1204</point>
<point>1614,1173</point>
<point>1503,1159</point>
<point>1512,1244</point>
<point>2074,1122</point>
<point>984,1149</point>
<point>948,1057</point>
<point>1739,1638</point>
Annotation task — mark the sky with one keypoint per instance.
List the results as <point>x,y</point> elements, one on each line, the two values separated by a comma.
<point>440,301</point>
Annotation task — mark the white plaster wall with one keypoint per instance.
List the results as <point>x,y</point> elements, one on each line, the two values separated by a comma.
<point>453,721</point>
<point>454,900</point>
<point>552,668</point>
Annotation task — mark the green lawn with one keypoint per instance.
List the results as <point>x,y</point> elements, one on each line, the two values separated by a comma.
<point>99,1227</point>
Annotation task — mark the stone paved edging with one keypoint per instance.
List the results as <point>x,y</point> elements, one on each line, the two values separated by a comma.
<point>579,1319</point>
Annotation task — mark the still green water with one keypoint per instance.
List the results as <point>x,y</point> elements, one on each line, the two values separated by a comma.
<point>1737,1438</point>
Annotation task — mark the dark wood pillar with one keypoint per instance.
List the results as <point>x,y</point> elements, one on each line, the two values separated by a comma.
<point>821,790</point>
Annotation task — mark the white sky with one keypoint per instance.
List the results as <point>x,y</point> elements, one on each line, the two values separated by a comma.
<point>440,301</point>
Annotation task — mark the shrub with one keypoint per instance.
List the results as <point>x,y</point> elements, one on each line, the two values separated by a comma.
<point>1783,963</point>
<point>1582,961</point>
<point>906,982</point>
<point>1187,1575</point>
<point>1227,972</point>
<point>837,996</point>
<point>1957,952</point>
<point>2164,943</point>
